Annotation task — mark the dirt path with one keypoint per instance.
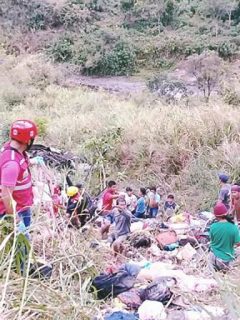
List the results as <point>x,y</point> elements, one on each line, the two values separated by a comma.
<point>112,84</point>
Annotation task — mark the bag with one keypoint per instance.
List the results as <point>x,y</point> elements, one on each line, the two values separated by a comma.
<point>39,270</point>
<point>116,283</point>
<point>156,291</point>
<point>152,310</point>
<point>140,240</point>
<point>166,238</point>
<point>120,315</point>
<point>131,299</point>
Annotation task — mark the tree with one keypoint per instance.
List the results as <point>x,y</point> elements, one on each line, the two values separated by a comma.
<point>207,68</point>
<point>218,10</point>
<point>231,5</point>
<point>150,10</point>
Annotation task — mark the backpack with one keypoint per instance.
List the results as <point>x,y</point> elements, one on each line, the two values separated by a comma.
<point>116,283</point>
<point>156,291</point>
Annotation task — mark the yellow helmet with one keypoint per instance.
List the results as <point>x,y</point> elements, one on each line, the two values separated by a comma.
<point>72,191</point>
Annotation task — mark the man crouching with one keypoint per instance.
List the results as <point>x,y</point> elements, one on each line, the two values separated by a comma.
<point>122,226</point>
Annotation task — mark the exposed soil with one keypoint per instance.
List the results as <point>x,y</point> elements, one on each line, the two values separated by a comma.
<point>113,84</point>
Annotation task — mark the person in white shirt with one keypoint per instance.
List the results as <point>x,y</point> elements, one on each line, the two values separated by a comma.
<point>131,200</point>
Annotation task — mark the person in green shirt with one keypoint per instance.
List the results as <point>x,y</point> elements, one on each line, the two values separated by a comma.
<point>224,235</point>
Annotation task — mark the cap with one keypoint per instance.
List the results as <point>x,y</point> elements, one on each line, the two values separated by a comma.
<point>220,210</point>
<point>223,177</point>
<point>235,188</point>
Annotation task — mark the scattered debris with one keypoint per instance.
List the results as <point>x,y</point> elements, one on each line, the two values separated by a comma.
<point>56,158</point>
<point>152,310</point>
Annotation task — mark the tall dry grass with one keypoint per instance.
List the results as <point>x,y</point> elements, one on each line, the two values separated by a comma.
<point>180,147</point>
<point>66,295</point>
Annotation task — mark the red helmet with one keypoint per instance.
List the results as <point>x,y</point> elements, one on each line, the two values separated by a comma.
<point>23,131</point>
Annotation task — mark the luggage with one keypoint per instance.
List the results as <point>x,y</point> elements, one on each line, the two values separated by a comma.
<point>166,238</point>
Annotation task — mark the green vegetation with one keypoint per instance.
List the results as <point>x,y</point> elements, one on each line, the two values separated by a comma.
<point>118,37</point>
<point>151,137</point>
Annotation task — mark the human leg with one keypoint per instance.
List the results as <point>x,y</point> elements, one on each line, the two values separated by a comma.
<point>153,212</point>
<point>139,215</point>
<point>26,216</point>
<point>218,264</point>
<point>118,245</point>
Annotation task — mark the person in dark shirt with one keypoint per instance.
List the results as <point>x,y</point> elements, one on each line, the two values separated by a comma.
<point>122,217</point>
<point>170,207</point>
<point>170,203</point>
<point>225,190</point>
<point>86,207</point>
<point>72,206</point>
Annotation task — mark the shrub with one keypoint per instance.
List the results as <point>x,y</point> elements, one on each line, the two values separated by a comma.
<point>207,68</point>
<point>12,96</point>
<point>4,131</point>
<point>42,126</point>
<point>119,61</point>
<point>231,97</point>
<point>127,4</point>
<point>74,16</point>
<point>109,6</point>
<point>169,89</point>
<point>226,49</point>
<point>62,50</point>
<point>40,15</point>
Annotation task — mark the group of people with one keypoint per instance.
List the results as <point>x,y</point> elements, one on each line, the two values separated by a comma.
<point>117,208</point>
<point>224,231</point>
<point>122,208</point>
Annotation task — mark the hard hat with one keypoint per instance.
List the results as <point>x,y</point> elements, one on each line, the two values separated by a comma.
<point>72,191</point>
<point>23,131</point>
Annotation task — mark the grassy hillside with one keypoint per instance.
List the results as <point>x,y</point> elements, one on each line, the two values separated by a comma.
<point>116,37</point>
<point>136,140</point>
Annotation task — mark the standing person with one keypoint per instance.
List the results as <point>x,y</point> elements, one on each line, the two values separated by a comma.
<point>235,202</point>
<point>109,196</point>
<point>154,201</point>
<point>141,204</point>
<point>224,235</point>
<point>122,217</point>
<point>131,200</point>
<point>58,200</point>
<point>15,176</point>
<point>225,190</point>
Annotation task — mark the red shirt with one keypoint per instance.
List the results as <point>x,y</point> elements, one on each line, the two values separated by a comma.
<point>107,200</point>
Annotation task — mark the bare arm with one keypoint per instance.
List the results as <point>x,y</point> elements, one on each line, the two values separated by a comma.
<point>9,176</point>
<point>7,199</point>
<point>115,196</point>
